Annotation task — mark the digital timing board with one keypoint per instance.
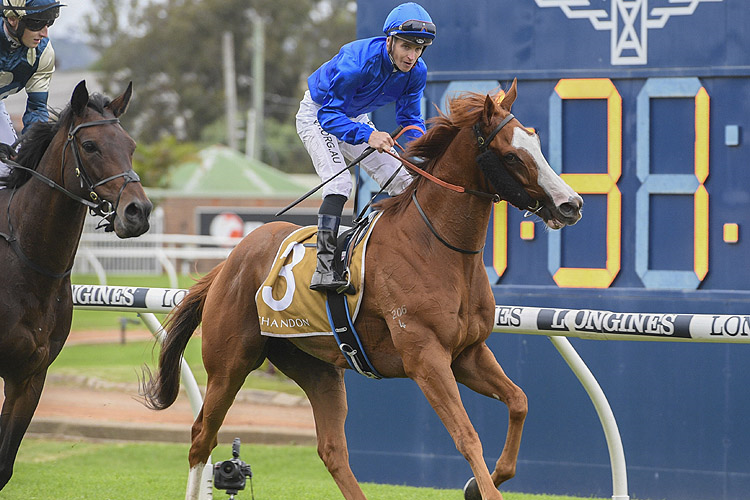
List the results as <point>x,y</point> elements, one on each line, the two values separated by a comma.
<point>642,107</point>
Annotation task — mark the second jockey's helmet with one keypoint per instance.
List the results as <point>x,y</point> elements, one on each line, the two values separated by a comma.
<point>47,10</point>
<point>410,22</point>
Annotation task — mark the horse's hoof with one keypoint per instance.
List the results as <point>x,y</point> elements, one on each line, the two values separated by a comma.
<point>471,490</point>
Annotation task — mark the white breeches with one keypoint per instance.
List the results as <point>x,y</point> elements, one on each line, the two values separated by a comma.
<point>330,154</point>
<point>7,135</point>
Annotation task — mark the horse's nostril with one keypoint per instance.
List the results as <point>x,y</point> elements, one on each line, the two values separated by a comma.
<point>569,209</point>
<point>138,210</point>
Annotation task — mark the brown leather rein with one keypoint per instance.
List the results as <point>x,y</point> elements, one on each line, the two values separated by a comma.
<point>458,189</point>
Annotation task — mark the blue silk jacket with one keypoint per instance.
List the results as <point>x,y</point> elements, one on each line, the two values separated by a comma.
<point>360,79</point>
<point>22,67</point>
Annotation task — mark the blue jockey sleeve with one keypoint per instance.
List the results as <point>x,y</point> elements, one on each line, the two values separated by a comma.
<point>36,109</point>
<point>360,79</point>
<point>344,81</point>
<point>409,109</point>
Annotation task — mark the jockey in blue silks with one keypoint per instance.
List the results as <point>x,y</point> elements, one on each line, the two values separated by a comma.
<point>333,123</point>
<point>27,61</point>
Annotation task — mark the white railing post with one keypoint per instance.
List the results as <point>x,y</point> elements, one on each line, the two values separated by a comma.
<point>606,417</point>
<point>206,489</point>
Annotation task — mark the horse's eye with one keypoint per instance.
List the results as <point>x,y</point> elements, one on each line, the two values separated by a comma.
<point>89,147</point>
<point>511,158</point>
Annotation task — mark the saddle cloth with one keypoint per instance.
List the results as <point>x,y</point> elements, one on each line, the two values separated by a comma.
<point>286,305</point>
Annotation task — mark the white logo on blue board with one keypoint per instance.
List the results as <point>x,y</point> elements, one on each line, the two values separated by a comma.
<point>628,22</point>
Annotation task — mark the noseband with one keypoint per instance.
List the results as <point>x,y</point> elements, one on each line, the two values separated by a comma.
<point>97,205</point>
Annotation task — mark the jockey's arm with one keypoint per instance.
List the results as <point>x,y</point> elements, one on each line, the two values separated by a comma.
<point>37,89</point>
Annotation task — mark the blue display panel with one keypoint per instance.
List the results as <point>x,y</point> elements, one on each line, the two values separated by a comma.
<point>642,106</point>
<point>641,116</point>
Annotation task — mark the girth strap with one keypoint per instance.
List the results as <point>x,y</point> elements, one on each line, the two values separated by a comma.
<point>346,336</point>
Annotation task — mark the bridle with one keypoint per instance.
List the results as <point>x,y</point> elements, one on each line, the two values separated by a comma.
<point>511,191</point>
<point>96,204</point>
<point>484,142</point>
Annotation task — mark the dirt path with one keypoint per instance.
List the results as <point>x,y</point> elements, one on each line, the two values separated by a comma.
<point>77,407</point>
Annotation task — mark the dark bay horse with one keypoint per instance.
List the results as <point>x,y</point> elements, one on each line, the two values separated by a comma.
<point>83,159</point>
<point>427,306</point>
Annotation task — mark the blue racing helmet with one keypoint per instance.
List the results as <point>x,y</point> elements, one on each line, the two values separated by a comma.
<point>409,21</point>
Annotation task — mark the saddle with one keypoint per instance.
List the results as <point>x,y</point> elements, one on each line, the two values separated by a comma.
<point>288,308</point>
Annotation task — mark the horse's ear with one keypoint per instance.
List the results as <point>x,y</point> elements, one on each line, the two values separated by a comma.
<point>80,99</point>
<point>510,97</point>
<point>120,104</point>
<point>489,110</point>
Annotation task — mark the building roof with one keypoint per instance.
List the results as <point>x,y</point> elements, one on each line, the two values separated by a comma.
<point>224,172</point>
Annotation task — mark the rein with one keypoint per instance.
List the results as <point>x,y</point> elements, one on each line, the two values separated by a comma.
<point>458,189</point>
<point>96,204</point>
<point>434,231</point>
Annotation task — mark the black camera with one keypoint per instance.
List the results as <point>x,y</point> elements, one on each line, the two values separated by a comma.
<point>230,475</point>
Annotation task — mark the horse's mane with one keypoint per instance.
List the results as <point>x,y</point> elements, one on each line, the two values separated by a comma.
<point>37,138</point>
<point>464,111</point>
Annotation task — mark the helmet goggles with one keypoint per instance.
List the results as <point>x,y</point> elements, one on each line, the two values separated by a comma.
<point>39,23</point>
<point>413,31</point>
<point>415,27</point>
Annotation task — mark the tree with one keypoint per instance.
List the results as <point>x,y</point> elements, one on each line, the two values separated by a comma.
<point>171,50</point>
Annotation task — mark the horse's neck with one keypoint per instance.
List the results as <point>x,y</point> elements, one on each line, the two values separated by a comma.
<point>46,223</point>
<point>460,218</point>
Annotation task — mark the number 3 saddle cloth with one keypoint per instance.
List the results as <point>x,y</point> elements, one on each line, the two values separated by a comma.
<point>286,305</point>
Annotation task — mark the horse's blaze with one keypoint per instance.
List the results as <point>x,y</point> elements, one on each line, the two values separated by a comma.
<point>557,190</point>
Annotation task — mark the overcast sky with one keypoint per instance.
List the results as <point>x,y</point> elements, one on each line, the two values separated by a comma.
<point>71,17</point>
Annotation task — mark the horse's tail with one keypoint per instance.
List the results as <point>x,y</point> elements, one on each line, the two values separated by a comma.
<point>161,391</point>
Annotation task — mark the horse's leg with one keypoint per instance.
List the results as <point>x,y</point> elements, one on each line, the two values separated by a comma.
<point>324,385</point>
<point>196,471</point>
<point>478,370</point>
<point>21,400</point>
<point>231,350</point>
<point>430,367</point>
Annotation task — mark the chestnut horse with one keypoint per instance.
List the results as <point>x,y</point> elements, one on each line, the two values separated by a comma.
<point>81,160</point>
<point>432,274</point>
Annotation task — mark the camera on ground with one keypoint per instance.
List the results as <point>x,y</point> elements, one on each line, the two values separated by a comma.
<point>230,475</point>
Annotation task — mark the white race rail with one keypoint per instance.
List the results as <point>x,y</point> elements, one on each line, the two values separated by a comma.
<point>554,323</point>
<point>606,325</point>
<point>146,302</point>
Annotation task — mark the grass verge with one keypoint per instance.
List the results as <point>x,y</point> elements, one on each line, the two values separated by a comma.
<point>122,363</point>
<point>114,471</point>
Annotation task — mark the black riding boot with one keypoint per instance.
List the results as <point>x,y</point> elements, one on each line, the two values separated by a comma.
<point>325,276</point>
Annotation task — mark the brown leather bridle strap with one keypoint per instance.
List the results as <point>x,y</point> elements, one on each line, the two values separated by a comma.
<point>427,175</point>
<point>458,189</point>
